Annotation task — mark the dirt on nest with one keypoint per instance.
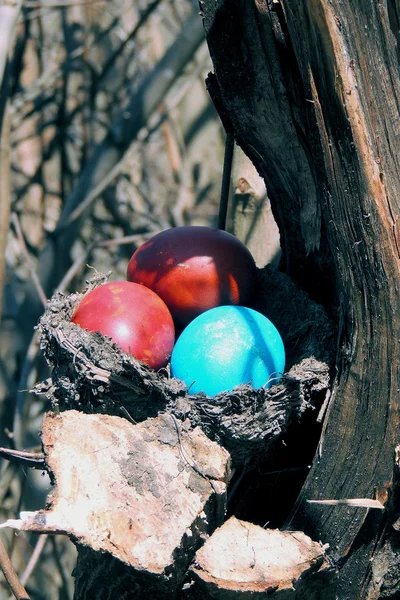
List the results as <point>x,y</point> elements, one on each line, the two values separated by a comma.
<point>91,374</point>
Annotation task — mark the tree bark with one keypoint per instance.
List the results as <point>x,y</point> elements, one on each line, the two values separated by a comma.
<point>136,499</point>
<point>311,90</point>
<point>242,561</point>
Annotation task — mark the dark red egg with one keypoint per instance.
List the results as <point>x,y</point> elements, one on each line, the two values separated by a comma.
<point>133,316</point>
<point>194,269</point>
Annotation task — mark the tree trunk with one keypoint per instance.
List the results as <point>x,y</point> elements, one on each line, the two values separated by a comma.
<point>311,90</point>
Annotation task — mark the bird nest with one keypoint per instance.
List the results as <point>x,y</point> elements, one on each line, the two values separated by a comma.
<point>91,374</point>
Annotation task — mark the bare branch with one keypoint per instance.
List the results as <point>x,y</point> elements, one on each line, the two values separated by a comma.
<point>30,567</point>
<point>20,405</point>
<point>4,197</point>
<point>226,180</point>
<point>31,267</point>
<point>64,575</point>
<point>33,460</point>
<point>144,15</point>
<point>11,576</point>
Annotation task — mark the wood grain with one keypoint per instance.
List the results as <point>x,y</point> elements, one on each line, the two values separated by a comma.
<point>312,91</point>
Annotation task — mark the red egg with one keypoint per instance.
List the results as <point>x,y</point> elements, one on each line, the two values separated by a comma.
<point>193,269</point>
<point>133,316</point>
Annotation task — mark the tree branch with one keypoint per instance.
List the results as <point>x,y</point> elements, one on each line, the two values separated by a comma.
<point>11,576</point>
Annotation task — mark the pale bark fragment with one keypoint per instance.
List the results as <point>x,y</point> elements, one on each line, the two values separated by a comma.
<point>146,494</point>
<point>242,560</point>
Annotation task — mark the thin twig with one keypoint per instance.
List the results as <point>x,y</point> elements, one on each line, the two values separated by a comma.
<point>93,194</point>
<point>8,472</point>
<point>127,239</point>
<point>11,576</point>
<point>173,150</point>
<point>74,269</point>
<point>29,262</point>
<point>233,489</point>
<point>226,180</point>
<point>20,407</point>
<point>5,196</point>
<point>60,3</point>
<point>32,460</point>
<point>30,567</point>
<point>61,569</point>
<point>356,502</point>
<point>22,483</point>
<point>143,16</point>
<point>288,470</point>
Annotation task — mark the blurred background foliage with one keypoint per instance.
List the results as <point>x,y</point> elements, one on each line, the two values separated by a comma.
<point>112,138</point>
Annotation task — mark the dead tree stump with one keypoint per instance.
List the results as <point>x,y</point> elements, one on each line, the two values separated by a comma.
<point>310,91</point>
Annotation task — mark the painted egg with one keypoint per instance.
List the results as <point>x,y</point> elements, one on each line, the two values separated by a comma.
<point>194,269</point>
<point>228,346</point>
<point>133,316</point>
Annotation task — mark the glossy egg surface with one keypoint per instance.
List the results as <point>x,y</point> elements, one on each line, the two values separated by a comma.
<point>133,316</point>
<point>228,346</point>
<point>194,269</point>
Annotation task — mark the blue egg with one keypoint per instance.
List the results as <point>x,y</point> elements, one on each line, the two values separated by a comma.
<point>227,346</point>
